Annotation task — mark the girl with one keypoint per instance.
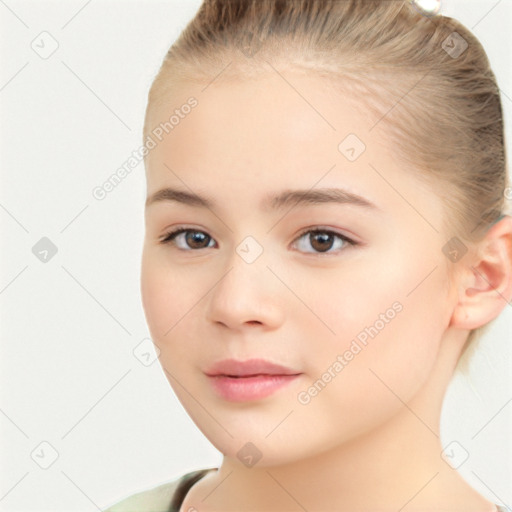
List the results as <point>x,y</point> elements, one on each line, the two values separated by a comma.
<point>326,235</point>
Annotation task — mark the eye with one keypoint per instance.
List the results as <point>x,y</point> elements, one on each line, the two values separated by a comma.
<point>322,240</point>
<point>192,236</point>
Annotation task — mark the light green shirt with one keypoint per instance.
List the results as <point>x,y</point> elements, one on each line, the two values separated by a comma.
<point>161,497</point>
<point>168,497</point>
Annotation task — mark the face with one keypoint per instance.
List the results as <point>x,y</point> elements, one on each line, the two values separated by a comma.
<point>347,295</point>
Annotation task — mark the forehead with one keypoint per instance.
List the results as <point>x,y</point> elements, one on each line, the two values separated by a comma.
<point>248,138</point>
<point>278,120</point>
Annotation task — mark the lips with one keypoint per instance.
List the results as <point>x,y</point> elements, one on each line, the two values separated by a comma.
<point>251,380</point>
<point>251,367</point>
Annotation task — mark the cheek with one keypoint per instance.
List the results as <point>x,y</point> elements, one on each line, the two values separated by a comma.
<point>152,296</point>
<point>171,302</point>
<point>160,289</point>
<point>388,332</point>
<point>373,384</point>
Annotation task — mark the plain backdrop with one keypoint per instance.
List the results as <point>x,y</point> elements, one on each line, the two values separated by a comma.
<point>83,421</point>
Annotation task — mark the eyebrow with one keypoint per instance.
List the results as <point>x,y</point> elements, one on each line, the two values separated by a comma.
<point>272,202</point>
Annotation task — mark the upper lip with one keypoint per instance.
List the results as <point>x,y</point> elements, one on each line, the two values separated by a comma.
<point>233,367</point>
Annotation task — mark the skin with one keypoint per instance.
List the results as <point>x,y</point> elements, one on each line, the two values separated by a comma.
<point>369,441</point>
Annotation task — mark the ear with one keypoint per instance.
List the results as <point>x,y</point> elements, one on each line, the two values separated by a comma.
<point>485,285</point>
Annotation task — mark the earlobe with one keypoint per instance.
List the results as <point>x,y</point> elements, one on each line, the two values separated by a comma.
<point>486,286</point>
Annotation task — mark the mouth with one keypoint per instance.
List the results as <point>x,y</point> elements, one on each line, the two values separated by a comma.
<point>253,375</point>
<point>237,388</point>
<point>253,379</point>
<point>249,368</point>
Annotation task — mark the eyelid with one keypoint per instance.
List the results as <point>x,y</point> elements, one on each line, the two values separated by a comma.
<point>170,236</point>
<point>174,232</point>
<point>351,242</point>
<point>327,229</point>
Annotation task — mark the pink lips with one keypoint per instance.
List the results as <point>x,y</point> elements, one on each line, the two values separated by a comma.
<point>253,379</point>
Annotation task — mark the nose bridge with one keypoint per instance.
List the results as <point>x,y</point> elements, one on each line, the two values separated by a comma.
<point>247,292</point>
<point>246,270</point>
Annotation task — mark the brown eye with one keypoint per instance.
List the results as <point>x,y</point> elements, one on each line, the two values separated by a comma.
<point>193,239</point>
<point>323,240</point>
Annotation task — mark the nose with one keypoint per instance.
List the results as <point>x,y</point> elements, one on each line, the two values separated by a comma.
<point>247,295</point>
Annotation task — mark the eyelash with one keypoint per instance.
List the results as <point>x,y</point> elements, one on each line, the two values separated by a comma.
<point>169,239</point>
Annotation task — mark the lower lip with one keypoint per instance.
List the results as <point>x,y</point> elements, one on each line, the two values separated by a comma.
<point>249,388</point>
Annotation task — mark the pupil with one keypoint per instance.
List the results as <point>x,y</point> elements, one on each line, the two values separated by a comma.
<point>195,238</point>
<point>323,237</point>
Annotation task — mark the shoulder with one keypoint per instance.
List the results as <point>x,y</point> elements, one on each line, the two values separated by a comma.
<point>154,499</point>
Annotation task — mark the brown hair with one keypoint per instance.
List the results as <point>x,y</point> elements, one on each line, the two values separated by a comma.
<point>432,90</point>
